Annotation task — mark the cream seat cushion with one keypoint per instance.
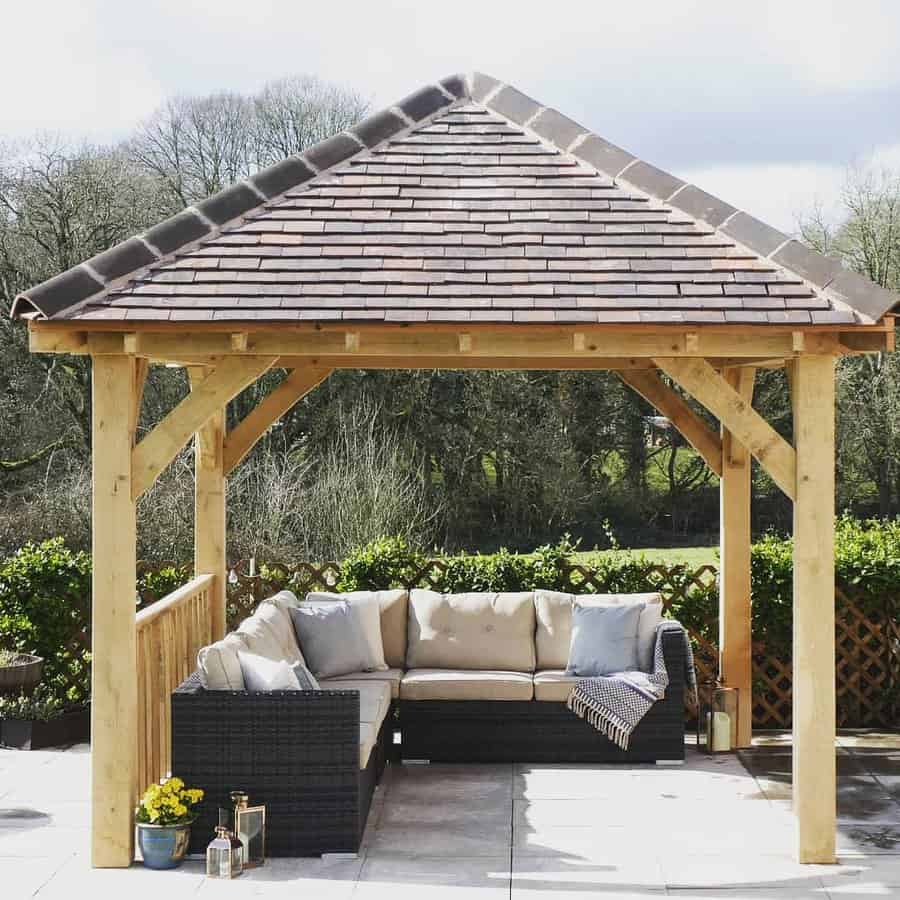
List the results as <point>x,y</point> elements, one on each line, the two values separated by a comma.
<point>368,734</point>
<point>391,677</point>
<point>392,606</point>
<point>465,684</point>
<point>553,635</point>
<point>553,685</point>
<point>471,631</point>
<point>219,666</point>
<point>269,632</point>
<point>374,699</point>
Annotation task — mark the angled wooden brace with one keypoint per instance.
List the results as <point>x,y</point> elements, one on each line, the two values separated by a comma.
<point>708,387</point>
<point>162,444</point>
<point>671,405</point>
<point>243,437</point>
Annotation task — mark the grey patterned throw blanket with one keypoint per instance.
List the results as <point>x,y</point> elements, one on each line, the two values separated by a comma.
<point>615,704</point>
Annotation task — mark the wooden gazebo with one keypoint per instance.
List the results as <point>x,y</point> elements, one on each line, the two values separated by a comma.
<point>466,227</point>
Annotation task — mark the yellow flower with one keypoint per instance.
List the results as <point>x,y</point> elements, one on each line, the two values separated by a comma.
<point>180,810</point>
<point>195,795</point>
<point>176,784</point>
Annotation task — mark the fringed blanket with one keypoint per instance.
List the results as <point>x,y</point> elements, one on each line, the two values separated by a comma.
<point>615,704</point>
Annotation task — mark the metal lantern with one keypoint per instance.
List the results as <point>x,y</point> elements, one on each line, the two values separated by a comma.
<point>224,855</point>
<point>250,829</point>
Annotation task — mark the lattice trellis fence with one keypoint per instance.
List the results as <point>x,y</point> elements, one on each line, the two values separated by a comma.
<point>867,655</point>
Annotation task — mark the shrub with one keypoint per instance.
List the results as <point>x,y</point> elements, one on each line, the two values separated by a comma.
<point>44,603</point>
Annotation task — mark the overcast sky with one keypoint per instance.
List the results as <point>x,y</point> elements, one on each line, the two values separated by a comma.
<point>761,103</point>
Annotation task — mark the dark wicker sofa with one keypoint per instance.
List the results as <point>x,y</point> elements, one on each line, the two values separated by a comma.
<point>295,751</point>
<point>468,678</point>
<point>534,731</point>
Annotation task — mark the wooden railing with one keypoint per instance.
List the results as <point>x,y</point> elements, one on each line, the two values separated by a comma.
<point>169,634</point>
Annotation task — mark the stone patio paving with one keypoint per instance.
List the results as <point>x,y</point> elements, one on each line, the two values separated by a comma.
<point>712,828</point>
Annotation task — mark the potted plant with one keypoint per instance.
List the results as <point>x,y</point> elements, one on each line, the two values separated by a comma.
<point>164,817</point>
<point>19,672</point>
<point>41,720</point>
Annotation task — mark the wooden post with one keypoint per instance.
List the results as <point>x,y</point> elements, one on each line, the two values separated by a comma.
<point>114,726</point>
<point>815,786</point>
<point>735,631</point>
<point>209,511</point>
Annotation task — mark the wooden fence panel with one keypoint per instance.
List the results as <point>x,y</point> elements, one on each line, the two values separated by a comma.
<point>867,660</point>
<point>170,631</point>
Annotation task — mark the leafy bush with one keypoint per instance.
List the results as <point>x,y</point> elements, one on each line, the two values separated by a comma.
<point>45,592</point>
<point>41,706</point>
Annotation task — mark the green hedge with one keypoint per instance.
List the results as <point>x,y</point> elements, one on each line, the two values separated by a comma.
<point>45,603</point>
<point>867,565</point>
<point>45,588</point>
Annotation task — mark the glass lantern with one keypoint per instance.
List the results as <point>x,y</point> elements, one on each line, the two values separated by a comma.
<point>224,855</point>
<point>250,829</point>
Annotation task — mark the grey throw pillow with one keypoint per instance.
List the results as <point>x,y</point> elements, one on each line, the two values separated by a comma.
<point>604,639</point>
<point>331,638</point>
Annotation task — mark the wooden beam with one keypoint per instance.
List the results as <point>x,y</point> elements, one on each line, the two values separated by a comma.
<point>210,509</point>
<point>703,383</point>
<point>814,776</point>
<point>735,623</point>
<point>241,439</point>
<point>523,341</point>
<point>162,444</point>
<point>674,407</point>
<point>142,368</point>
<point>114,726</point>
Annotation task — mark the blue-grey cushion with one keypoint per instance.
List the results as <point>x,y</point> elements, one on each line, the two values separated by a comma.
<point>331,638</point>
<point>604,639</point>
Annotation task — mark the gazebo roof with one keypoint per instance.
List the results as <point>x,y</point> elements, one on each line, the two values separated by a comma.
<point>465,202</point>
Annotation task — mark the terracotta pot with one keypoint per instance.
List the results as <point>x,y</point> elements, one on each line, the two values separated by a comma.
<point>23,676</point>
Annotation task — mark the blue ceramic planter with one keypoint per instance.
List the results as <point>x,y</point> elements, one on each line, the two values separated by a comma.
<point>163,846</point>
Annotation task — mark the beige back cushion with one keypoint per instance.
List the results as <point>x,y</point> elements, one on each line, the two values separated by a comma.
<point>269,632</point>
<point>219,666</point>
<point>471,631</point>
<point>554,623</point>
<point>393,605</point>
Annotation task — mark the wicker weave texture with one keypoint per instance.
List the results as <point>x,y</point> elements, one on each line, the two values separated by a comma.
<point>295,751</point>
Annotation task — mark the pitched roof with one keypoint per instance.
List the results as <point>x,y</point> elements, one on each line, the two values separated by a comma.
<point>467,202</point>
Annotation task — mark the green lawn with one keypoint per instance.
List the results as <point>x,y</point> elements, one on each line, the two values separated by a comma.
<point>689,556</point>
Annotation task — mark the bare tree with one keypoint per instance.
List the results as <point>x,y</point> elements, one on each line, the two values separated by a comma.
<point>199,145</point>
<point>292,113</point>
<point>867,240</point>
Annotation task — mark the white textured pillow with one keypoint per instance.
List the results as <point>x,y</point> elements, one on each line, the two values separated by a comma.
<point>367,608</point>
<point>219,666</point>
<point>263,674</point>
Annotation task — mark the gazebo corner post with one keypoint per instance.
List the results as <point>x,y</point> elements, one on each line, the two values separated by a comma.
<point>735,624</point>
<point>814,715</point>
<point>114,714</point>
<point>210,490</point>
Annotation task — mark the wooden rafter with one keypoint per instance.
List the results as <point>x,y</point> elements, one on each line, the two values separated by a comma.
<point>242,438</point>
<point>162,444</point>
<point>708,387</point>
<point>671,405</point>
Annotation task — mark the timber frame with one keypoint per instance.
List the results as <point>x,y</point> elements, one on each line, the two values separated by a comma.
<point>222,365</point>
<point>466,227</point>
